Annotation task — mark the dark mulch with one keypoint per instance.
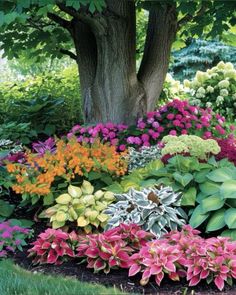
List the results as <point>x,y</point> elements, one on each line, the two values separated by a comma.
<point>118,278</point>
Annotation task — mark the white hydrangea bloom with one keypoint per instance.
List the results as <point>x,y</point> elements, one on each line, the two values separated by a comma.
<point>210,89</point>
<point>208,104</point>
<point>224,92</point>
<point>223,84</point>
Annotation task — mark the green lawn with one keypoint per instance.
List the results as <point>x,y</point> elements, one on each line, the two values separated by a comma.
<point>17,281</point>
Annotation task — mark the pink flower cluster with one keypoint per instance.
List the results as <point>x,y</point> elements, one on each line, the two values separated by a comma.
<point>107,132</point>
<point>176,117</point>
<point>53,247</point>
<point>186,254</point>
<point>228,149</point>
<point>12,237</point>
<point>112,248</point>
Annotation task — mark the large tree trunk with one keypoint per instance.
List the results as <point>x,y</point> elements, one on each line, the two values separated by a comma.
<point>106,57</point>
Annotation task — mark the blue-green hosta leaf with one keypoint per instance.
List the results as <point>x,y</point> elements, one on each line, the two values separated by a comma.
<point>200,176</point>
<point>216,220</point>
<point>211,203</point>
<point>230,218</point>
<point>209,188</point>
<point>228,189</point>
<point>222,174</point>
<point>198,217</point>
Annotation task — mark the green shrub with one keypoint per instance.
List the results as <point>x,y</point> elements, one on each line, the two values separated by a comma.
<point>24,101</point>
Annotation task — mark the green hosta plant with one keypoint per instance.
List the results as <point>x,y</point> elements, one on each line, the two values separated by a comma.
<point>155,210</point>
<point>140,158</point>
<point>190,144</point>
<point>80,204</point>
<point>217,202</point>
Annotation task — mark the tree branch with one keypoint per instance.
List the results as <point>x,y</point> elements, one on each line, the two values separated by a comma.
<point>60,21</point>
<point>69,53</point>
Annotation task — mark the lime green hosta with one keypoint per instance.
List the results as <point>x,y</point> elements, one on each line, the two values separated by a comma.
<point>80,204</point>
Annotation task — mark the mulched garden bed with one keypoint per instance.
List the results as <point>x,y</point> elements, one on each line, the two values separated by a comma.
<point>118,278</point>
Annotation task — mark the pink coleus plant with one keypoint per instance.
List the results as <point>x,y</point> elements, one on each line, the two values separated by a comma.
<point>112,248</point>
<point>185,253</point>
<point>53,247</point>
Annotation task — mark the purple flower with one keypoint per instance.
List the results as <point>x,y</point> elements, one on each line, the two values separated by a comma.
<point>6,235</point>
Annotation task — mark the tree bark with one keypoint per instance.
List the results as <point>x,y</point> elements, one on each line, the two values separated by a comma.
<point>161,32</point>
<point>106,55</point>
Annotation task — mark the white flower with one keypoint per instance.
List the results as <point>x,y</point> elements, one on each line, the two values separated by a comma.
<point>224,92</point>
<point>230,74</point>
<point>223,84</point>
<point>210,89</point>
<point>200,95</point>
<point>208,104</point>
<point>201,90</point>
<point>219,100</point>
<point>229,66</point>
<point>187,83</point>
<point>221,65</point>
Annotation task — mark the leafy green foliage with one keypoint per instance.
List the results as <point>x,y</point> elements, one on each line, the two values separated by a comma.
<point>40,101</point>
<point>155,210</point>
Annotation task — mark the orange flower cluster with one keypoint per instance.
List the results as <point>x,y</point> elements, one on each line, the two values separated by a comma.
<point>69,160</point>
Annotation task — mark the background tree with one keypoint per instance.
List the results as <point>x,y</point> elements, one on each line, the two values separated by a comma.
<point>104,36</point>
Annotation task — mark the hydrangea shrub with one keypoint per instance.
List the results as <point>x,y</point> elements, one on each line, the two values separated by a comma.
<point>216,89</point>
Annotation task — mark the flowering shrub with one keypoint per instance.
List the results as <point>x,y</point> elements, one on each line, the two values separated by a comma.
<point>175,118</point>
<point>228,149</point>
<point>180,118</point>
<point>108,132</point>
<point>53,247</point>
<point>36,177</point>
<point>12,237</point>
<point>112,248</point>
<point>190,144</point>
<point>215,88</point>
<point>186,254</point>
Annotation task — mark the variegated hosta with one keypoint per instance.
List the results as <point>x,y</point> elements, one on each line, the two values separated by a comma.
<point>155,210</point>
<point>140,158</point>
<point>80,204</point>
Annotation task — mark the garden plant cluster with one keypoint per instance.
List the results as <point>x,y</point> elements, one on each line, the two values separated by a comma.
<point>157,198</point>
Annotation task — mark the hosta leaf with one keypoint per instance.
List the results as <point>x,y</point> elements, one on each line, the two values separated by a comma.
<point>228,189</point>
<point>189,197</point>
<point>211,203</point>
<point>183,179</point>
<point>200,176</point>
<point>231,233</point>
<point>198,217</point>
<point>230,218</point>
<point>222,174</point>
<point>201,196</point>
<point>216,220</point>
<point>6,209</point>
<point>209,188</point>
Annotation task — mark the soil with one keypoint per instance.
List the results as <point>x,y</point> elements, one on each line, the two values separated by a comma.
<point>118,278</point>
